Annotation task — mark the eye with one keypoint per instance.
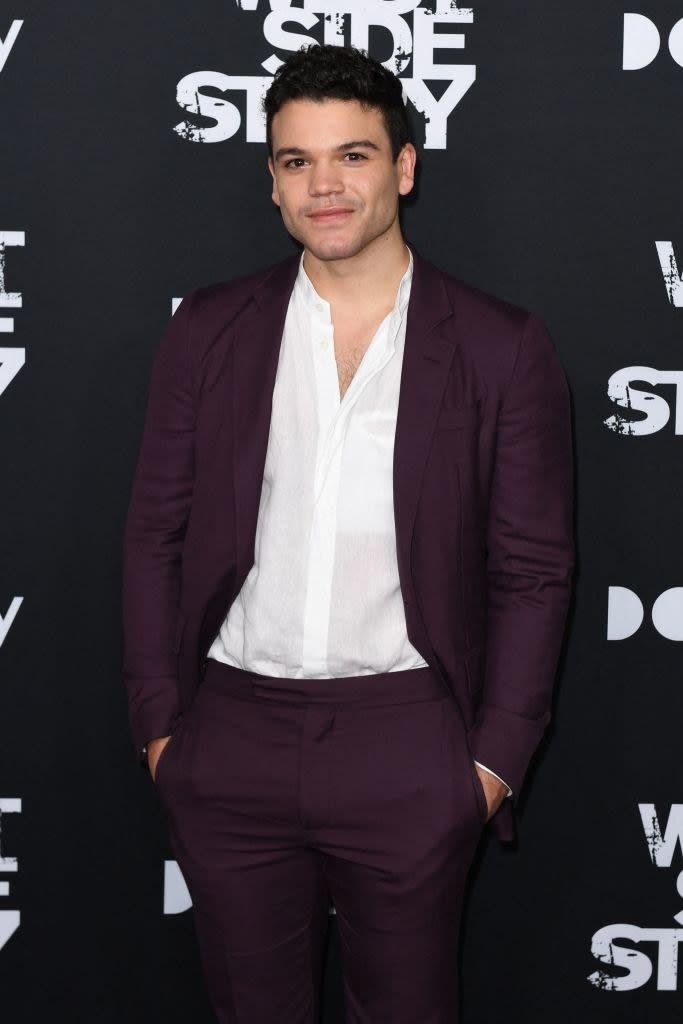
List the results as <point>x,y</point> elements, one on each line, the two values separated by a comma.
<point>297,161</point>
<point>355,157</point>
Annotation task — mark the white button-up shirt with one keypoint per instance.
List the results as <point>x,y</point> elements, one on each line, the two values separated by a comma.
<point>323,598</point>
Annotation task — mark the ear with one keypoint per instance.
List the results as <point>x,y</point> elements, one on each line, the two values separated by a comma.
<point>275,195</point>
<point>406,161</point>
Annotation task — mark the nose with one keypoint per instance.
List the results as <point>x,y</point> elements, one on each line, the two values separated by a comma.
<point>324,180</point>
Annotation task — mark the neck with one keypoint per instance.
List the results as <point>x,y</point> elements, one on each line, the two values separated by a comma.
<point>363,280</point>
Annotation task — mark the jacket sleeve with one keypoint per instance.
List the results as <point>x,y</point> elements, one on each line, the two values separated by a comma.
<point>530,558</point>
<point>153,536</point>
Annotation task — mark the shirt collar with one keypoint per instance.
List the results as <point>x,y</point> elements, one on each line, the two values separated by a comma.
<point>317,306</point>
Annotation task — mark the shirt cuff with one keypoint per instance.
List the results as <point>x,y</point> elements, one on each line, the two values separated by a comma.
<point>509,791</point>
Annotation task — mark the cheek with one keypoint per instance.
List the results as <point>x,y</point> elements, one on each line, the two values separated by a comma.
<point>280,197</point>
<point>381,194</point>
<point>290,198</point>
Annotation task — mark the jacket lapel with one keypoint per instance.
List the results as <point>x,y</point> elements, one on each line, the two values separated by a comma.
<point>257,340</point>
<point>427,357</point>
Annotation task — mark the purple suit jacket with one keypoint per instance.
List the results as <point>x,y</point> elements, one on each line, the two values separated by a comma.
<point>482,498</point>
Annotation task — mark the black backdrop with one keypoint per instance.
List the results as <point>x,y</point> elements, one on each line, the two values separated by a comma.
<point>558,172</point>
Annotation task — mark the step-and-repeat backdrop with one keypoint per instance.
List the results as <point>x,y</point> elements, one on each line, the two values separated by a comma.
<point>132,169</point>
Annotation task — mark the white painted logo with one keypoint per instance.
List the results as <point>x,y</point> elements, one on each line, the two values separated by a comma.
<point>647,411</point>
<point>623,391</point>
<point>415,31</point>
<point>8,42</point>
<point>672,279</point>
<point>8,618</point>
<point>613,944</point>
<point>11,359</point>
<point>625,613</point>
<point>642,42</point>
<point>9,919</point>
<point>176,894</point>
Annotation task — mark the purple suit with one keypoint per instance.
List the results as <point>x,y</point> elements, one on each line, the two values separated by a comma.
<point>482,498</point>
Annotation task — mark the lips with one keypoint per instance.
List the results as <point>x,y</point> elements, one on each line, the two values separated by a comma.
<point>331,213</point>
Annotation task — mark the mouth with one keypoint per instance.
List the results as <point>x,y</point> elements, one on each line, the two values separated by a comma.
<point>330,214</point>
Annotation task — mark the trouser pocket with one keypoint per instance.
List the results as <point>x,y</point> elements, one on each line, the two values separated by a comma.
<point>461,763</point>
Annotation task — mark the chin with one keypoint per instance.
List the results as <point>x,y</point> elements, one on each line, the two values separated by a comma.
<point>331,248</point>
<point>329,253</point>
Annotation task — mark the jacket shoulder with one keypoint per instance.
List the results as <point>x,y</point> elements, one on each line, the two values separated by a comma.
<point>479,308</point>
<point>217,304</point>
<point>491,332</point>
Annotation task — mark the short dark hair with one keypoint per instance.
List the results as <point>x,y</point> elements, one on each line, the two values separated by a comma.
<point>321,72</point>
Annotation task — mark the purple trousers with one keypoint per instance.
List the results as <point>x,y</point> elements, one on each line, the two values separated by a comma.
<point>287,796</point>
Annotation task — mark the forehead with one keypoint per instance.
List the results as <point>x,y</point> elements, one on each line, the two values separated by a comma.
<point>326,124</point>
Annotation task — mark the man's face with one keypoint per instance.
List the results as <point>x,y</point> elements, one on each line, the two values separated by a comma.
<point>334,178</point>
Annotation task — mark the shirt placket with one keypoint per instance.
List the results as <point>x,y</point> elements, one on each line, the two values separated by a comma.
<point>319,568</point>
<point>333,416</point>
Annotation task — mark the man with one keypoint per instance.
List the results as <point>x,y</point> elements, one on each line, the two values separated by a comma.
<point>347,568</point>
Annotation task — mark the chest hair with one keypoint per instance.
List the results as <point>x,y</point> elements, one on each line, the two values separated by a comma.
<point>348,361</point>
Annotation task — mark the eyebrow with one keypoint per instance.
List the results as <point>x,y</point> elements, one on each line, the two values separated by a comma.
<point>345,147</point>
